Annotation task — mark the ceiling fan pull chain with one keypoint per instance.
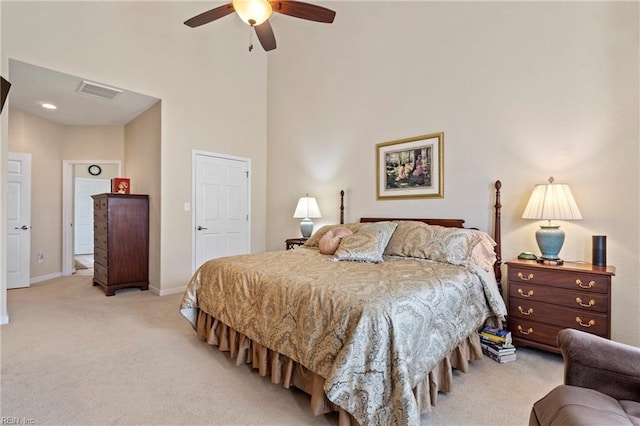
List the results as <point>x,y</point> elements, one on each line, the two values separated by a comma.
<point>250,39</point>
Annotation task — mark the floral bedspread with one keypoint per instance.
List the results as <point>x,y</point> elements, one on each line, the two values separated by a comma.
<point>373,331</point>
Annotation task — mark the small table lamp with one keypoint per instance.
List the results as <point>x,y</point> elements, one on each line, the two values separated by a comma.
<point>551,201</point>
<point>306,209</point>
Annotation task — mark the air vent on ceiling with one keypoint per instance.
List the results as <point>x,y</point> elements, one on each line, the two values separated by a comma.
<point>99,90</point>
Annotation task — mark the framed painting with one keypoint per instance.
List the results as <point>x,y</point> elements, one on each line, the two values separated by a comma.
<point>410,168</point>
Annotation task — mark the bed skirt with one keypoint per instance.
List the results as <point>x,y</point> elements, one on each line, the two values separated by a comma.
<point>287,372</point>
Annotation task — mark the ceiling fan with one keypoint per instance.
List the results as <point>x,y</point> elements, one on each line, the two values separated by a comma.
<point>257,12</point>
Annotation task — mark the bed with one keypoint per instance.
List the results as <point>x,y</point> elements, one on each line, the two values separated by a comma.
<point>372,330</point>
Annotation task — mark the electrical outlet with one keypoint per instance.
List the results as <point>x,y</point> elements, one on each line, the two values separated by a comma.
<point>40,256</point>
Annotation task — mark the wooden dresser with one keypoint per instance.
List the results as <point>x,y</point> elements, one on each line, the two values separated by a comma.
<point>545,299</point>
<point>121,241</point>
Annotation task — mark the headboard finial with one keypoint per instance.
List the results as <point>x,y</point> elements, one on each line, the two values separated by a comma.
<point>341,207</point>
<point>497,232</point>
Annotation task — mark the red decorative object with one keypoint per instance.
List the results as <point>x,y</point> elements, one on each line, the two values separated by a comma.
<point>121,185</point>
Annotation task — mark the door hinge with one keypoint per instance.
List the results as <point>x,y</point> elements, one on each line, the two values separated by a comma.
<point>247,172</point>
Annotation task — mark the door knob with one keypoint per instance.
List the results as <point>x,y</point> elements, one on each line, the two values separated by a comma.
<point>23,227</point>
<point>200,228</point>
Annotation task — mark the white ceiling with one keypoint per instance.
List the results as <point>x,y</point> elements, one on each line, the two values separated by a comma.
<point>32,85</point>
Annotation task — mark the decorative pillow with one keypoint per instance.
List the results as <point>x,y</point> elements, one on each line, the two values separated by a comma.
<point>314,240</point>
<point>331,239</point>
<point>458,246</point>
<point>408,237</point>
<point>384,228</point>
<point>361,247</point>
<point>484,254</point>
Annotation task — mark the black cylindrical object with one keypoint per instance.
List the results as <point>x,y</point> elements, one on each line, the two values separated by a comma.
<point>599,250</point>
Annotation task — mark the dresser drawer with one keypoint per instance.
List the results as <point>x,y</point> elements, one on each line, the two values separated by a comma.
<point>100,215</point>
<point>597,302</point>
<point>525,330</point>
<point>100,256</point>
<point>100,227</point>
<point>101,273</point>
<point>559,278</point>
<point>100,204</point>
<point>100,240</point>
<point>593,322</point>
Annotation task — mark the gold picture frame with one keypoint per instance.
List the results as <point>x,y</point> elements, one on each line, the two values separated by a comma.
<point>410,168</point>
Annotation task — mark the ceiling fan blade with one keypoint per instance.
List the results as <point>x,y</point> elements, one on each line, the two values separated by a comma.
<point>210,15</point>
<point>266,36</point>
<point>303,10</point>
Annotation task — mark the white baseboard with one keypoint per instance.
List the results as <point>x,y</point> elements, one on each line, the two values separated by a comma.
<point>168,291</point>
<point>45,277</point>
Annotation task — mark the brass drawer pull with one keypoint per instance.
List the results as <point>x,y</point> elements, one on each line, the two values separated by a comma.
<point>591,323</point>
<point>529,330</point>
<point>522,311</point>
<point>521,293</point>
<point>521,276</point>
<point>591,283</point>
<point>586,305</point>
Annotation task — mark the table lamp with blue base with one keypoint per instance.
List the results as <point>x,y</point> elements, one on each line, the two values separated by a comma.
<point>551,201</point>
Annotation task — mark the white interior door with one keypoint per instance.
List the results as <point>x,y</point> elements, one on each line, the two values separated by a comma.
<point>221,206</point>
<point>83,212</point>
<point>18,220</point>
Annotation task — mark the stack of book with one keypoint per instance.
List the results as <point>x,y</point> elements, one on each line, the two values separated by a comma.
<point>496,344</point>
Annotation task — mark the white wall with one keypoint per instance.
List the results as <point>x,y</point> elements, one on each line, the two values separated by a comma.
<point>521,90</point>
<point>142,160</point>
<point>213,90</point>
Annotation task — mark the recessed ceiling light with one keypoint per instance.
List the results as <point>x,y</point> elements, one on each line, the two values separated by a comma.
<point>49,106</point>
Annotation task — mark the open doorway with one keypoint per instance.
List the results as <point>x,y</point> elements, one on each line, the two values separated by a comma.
<point>78,185</point>
<point>84,188</point>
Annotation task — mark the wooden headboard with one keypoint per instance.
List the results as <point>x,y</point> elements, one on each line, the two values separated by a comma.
<point>454,223</point>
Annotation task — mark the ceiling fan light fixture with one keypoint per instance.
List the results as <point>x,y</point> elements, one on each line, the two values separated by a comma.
<point>253,12</point>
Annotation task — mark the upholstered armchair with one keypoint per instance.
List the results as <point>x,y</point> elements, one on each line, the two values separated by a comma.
<point>601,384</point>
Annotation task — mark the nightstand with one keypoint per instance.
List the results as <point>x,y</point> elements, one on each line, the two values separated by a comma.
<point>294,242</point>
<point>544,299</point>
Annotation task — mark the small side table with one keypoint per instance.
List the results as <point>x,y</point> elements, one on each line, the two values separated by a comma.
<point>294,242</point>
<point>544,299</point>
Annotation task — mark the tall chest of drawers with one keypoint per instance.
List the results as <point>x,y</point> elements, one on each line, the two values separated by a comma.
<point>544,299</point>
<point>121,241</point>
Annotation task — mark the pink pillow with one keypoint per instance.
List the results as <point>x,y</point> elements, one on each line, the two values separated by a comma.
<point>331,240</point>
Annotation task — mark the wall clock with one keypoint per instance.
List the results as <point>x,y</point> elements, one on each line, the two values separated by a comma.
<point>94,170</point>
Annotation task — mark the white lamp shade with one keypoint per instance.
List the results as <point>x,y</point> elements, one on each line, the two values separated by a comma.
<point>253,12</point>
<point>307,208</point>
<point>552,201</point>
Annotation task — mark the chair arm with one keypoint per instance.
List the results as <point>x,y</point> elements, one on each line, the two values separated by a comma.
<point>594,362</point>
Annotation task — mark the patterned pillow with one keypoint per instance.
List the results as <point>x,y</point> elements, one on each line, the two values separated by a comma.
<point>331,240</point>
<point>408,237</point>
<point>361,247</point>
<point>484,254</point>
<point>384,228</point>
<point>457,246</point>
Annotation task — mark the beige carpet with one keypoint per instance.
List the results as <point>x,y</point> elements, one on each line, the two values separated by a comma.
<point>72,356</point>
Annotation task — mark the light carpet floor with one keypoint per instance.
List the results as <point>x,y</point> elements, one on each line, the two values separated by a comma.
<point>72,356</point>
